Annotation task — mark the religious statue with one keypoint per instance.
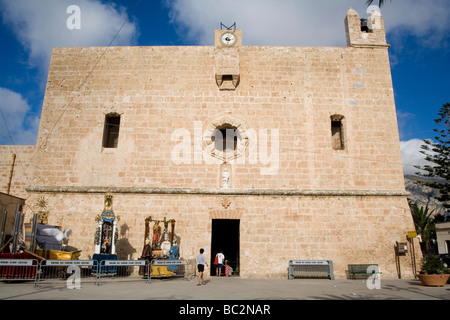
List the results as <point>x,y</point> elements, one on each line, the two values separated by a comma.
<point>165,245</point>
<point>174,254</point>
<point>156,234</point>
<point>147,250</point>
<point>105,247</point>
<point>146,255</point>
<point>225,178</point>
<point>157,250</point>
<point>108,212</point>
<point>108,202</point>
<point>106,234</point>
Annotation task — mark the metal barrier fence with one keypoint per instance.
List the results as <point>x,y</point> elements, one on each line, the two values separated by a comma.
<point>169,268</point>
<point>67,269</point>
<point>18,269</point>
<point>310,269</point>
<point>114,269</point>
<point>73,271</point>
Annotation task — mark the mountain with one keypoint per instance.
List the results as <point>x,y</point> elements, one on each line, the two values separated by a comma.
<point>421,194</point>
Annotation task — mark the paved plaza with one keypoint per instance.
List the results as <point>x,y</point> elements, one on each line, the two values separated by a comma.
<point>225,298</point>
<point>232,288</point>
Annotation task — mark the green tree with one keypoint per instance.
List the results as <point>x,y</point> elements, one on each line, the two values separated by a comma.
<point>423,219</point>
<point>438,153</point>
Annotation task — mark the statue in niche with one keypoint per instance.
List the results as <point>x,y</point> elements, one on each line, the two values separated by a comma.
<point>225,178</point>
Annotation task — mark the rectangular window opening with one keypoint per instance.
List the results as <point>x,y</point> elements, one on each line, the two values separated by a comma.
<point>227,77</point>
<point>111,131</point>
<point>337,135</point>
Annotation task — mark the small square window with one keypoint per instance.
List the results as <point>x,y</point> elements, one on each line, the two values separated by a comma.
<point>227,81</point>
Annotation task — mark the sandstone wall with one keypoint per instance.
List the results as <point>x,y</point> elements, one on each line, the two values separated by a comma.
<point>295,194</point>
<point>273,230</point>
<point>167,94</point>
<point>22,167</point>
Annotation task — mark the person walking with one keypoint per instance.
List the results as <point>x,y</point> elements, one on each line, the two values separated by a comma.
<point>200,263</point>
<point>228,269</point>
<point>220,259</point>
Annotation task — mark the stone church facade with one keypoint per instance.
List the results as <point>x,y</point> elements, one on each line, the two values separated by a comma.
<point>271,154</point>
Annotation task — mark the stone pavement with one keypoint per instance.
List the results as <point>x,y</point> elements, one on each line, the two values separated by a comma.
<point>220,298</point>
<point>232,288</point>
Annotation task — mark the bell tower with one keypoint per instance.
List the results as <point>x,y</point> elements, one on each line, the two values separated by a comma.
<point>227,43</point>
<point>365,32</point>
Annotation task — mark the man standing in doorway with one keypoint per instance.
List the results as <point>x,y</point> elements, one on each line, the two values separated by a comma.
<point>220,259</point>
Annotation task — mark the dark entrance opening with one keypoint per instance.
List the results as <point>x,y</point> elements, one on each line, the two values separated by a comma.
<point>225,238</point>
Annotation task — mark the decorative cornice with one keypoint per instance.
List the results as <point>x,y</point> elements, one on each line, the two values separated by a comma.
<point>369,45</point>
<point>211,191</point>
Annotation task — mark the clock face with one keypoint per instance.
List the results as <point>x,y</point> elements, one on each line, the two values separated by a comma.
<point>228,39</point>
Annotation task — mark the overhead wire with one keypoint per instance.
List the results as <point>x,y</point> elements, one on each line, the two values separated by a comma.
<point>76,93</point>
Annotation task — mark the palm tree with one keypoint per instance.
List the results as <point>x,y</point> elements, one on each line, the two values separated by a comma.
<point>424,224</point>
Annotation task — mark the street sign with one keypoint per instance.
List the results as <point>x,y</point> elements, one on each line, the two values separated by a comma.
<point>412,234</point>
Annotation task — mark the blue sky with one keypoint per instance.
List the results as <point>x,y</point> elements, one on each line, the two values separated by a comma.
<point>416,30</point>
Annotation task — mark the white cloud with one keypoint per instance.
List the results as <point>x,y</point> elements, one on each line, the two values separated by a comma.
<point>411,156</point>
<point>17,121</point>
<point>417,17</point>
<point>263,22</point>
<point>41,25</point>
<point>303,23</point>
